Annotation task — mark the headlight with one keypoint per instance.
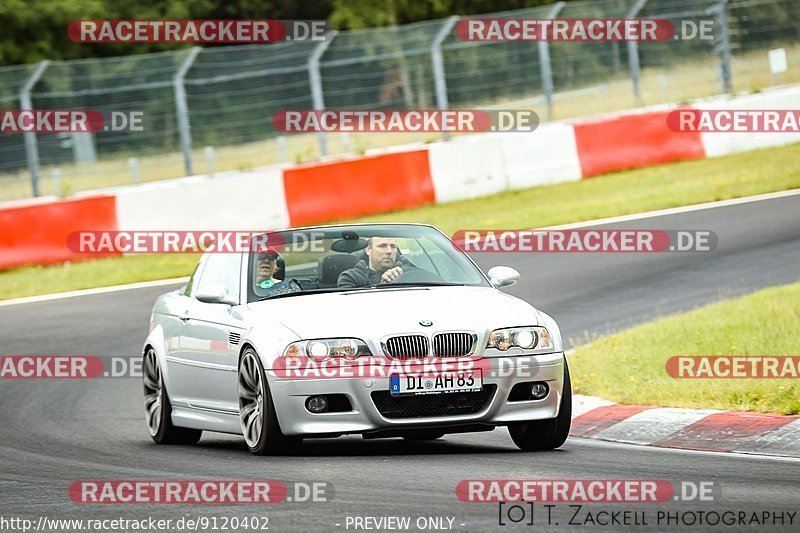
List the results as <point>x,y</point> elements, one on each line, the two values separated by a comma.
<point>324,349</point>
<point>527,338</point>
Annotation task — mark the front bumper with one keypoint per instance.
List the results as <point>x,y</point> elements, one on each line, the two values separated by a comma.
<point>289,396</point>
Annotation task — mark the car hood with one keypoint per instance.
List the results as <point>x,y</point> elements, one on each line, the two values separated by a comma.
<point>376,313</point>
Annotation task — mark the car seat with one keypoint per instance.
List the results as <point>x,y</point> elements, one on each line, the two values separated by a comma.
<point>331,266</point>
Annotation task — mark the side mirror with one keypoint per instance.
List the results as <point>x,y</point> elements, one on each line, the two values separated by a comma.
<point>215,293</point>
<point>502,276</point>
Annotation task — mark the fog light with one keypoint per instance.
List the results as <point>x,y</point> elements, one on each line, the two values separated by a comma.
<point>317,404</point>
<point>539,390</point>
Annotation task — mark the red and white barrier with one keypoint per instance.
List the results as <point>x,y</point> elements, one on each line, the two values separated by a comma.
<point>632,141</point>
<point>359,186</point>
<point>398,178</point>
<point>36,233</point>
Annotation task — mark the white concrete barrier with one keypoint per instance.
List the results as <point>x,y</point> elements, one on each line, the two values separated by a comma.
<point>547,155</point>
<point>467,167</point>
<point>251,200</point>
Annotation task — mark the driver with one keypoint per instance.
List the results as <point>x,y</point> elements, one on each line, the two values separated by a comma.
<point>383,264</point>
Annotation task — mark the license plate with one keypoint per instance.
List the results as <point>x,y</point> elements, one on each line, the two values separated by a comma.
<point>465,381</point>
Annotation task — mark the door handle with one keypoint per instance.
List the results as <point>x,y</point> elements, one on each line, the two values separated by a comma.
<point>185,316</point>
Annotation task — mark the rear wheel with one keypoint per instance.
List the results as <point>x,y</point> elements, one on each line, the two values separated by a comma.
<point>546,434</point>
<point>260,426</point>
<point>158,410</point>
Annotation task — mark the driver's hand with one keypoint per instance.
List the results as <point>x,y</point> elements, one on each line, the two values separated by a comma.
<point>391,274</point>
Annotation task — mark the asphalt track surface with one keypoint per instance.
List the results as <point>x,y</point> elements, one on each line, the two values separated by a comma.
<point>54,432</point>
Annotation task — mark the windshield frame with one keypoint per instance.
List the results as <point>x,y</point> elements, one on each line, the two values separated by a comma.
<point>398,230</point>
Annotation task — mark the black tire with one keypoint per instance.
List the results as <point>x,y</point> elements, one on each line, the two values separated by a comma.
<point>546,434</point>
<point>269,440</point>
<point>164,431</point>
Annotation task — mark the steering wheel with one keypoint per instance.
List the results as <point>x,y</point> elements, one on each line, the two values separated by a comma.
<point>417,276</point>
<point>294,285</point>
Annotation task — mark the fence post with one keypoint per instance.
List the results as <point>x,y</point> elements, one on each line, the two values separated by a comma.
<point>439,78</point>
<point>182,110</point>
<point>314,78</point>
<point>544,64</point>
<point>282,149</point>
<point>133,166</point>
<point>56,175</point>
<point>723,47</point>
<point>208,151</point>
<point>633,55</point>
<point>31,148</point>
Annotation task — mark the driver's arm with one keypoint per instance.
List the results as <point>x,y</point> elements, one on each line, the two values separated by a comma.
<point>391,274</point>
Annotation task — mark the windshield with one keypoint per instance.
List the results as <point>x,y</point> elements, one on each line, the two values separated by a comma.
<point>343,258</point>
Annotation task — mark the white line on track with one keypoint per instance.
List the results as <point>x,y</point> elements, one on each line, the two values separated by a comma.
<point>586,223</point>
<point>678,210</point>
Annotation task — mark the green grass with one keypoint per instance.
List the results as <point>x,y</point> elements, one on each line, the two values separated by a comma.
<point>628,367</point>
<point>34,280</point>
<point>620,193</point>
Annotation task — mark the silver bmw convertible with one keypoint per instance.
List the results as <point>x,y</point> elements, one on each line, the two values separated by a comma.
<point>382,330</point>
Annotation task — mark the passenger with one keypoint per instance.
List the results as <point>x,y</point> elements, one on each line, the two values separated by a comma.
<point>266,269</point>
<point>383,264</point>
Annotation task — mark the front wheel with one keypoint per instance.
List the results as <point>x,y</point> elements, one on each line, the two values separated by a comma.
<point>260,426</point>
<point>158,410</point>
<point>546,434</point>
